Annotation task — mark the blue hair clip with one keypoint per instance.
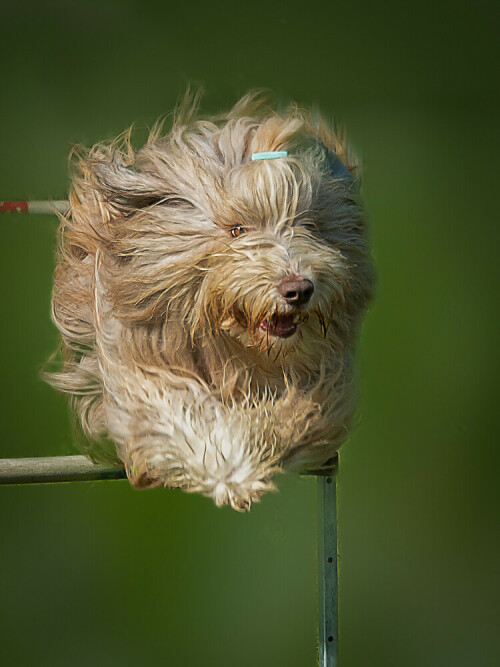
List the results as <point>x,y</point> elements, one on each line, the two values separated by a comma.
<point>269,155</point>
<point>337,168</point>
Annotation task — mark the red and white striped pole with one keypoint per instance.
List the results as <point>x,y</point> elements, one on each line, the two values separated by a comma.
<point>40,207</point>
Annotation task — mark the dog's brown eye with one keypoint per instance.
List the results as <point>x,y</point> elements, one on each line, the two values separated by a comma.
<point>237,231</point>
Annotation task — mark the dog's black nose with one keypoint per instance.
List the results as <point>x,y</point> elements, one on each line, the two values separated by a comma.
<point>296,291</point>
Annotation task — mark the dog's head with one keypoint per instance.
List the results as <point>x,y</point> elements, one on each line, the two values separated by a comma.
<point>199,226</point>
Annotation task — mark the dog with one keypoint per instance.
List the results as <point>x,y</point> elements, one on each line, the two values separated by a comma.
<point>209,292</point>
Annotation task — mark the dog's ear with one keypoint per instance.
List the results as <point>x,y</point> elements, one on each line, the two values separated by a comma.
<point>125,187</point>
<point>107,185</point>
<point>336,168</point>
<point>333,165</point>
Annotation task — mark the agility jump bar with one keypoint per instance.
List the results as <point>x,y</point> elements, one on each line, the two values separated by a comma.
<point>41,207</point>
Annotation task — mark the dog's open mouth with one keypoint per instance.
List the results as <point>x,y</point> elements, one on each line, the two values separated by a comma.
<point>282,326</point>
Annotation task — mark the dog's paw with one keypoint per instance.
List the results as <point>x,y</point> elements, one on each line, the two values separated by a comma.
<point>240,496</point>
<point>139,478</point>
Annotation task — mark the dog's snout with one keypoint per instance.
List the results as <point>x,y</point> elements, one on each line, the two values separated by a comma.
<point>296,291</point>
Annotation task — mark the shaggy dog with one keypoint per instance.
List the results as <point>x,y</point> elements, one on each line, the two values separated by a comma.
<point>209,297</point>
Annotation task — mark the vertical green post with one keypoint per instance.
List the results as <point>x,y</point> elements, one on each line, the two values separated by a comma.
<point>327,571</point>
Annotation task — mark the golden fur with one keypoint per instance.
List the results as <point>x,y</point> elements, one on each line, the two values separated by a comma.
<point>167,297</point>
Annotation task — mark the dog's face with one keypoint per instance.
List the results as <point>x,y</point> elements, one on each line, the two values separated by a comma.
<point>270,253</point>
<point>277,286</point>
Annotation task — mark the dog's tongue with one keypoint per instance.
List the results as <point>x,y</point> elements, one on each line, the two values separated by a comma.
<point>280,325</point>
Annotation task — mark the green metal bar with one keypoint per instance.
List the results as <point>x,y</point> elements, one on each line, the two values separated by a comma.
<point>47,470</point>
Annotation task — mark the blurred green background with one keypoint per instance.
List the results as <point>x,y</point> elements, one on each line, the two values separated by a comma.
<point>100,574</point>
